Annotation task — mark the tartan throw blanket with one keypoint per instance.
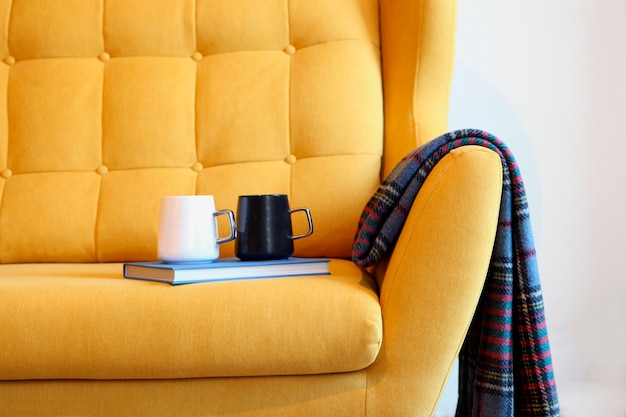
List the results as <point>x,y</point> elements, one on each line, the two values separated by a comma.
<point>505,365</point>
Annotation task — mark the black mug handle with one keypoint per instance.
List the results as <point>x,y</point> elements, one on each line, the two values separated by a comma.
<point>310,220</point>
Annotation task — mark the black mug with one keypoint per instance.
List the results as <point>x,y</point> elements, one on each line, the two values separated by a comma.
<point>264,230</point>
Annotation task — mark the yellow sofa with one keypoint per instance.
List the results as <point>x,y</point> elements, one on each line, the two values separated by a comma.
<point>105,106</point>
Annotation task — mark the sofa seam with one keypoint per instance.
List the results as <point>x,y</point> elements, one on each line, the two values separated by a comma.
<point>367,381</point>
<point>102,139</point>
<point>2,197</point>
<point>10,19</point>
<point>8,31</point>
<point>195,92</point>
<point>417,137</point>
<point>196,47</point>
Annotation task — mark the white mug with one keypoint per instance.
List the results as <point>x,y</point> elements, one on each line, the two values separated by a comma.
<point>188,229</point>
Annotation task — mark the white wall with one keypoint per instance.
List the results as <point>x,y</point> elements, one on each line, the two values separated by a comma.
<point>548,78</point>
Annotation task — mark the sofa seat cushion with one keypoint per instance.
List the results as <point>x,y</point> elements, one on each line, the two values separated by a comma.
<point>85,321</point>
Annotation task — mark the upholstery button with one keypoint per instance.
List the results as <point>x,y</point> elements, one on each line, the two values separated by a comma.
<point>104,57</point>
<point>197,167</point>
<point>291,159</point>
<point>290,50</point>
<point>9,60</point>
<point>102,169</point>
<point>6,174</point>
<point>197,56</point>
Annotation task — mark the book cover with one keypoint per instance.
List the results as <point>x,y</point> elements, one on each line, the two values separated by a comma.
<point>224,269</point>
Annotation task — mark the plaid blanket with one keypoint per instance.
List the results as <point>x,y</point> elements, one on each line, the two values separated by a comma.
<point>505,365</point>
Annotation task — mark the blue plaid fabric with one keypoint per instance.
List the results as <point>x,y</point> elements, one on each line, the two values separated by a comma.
<point>505,362</point>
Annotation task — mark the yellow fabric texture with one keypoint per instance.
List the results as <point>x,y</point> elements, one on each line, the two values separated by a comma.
<point>107,106</point>
<point>102,326</point>
<point>429,291</point>
<point>417,49</point>
<point>431,286</point>
<point>295,396</point>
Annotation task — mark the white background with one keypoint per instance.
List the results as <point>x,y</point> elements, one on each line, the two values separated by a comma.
<point>548,77</point>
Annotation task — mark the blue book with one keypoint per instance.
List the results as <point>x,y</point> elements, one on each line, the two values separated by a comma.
<point>224,270</point>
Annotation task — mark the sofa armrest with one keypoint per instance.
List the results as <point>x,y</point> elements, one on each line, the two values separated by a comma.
<point>431,284</point>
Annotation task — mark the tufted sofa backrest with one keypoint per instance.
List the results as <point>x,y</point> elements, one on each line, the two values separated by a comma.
<point>105,106</point>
